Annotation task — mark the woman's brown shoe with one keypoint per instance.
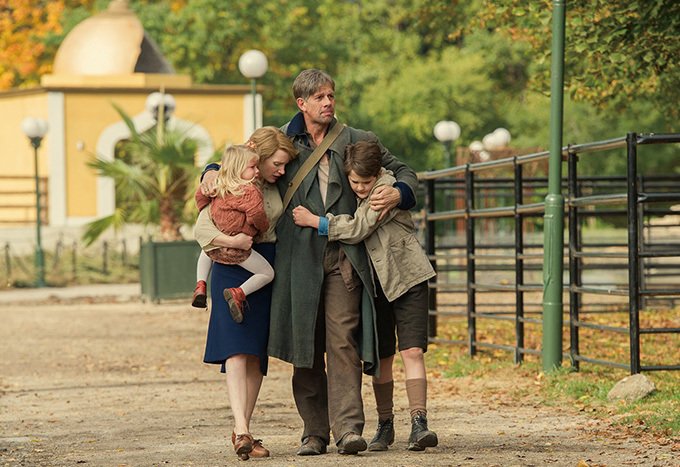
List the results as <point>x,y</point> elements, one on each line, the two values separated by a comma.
<point>258,449</point>
<point>243,445</point>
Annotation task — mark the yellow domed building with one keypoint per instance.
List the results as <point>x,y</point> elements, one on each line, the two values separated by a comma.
<point>106,59</point>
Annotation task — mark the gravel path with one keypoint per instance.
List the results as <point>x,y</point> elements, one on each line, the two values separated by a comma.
<point>123,384</point>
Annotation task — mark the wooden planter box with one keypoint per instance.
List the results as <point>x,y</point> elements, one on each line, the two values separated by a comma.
<point>167,270</point>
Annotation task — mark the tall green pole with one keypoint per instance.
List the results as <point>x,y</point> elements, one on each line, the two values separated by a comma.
<point>39,255</point>
<point>253,90</point>
<point>554,204</point>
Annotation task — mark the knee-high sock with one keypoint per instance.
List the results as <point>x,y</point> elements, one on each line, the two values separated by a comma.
<point>416,391</point>
<point>384,399</point>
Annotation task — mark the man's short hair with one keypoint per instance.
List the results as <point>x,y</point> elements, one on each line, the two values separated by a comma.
<point>309,81</point>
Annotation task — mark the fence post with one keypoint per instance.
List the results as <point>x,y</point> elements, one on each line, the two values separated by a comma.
<point>519,265</point>
<point>124,253</point>
<point>633,254</point>
<point>470,251</point>
<point>8,264</point>
<point>57,254</point>
<point>430,250</point>
<point>73,259</point>
<point>574,261</point>
<point>642,262</point>
<point>105,271</point>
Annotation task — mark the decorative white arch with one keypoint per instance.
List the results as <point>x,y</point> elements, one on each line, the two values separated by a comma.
<point>106,148</point>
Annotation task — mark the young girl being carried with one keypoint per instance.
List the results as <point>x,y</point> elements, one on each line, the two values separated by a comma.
<point>238,208</point>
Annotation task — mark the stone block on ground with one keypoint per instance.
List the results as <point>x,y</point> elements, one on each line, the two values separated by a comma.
<point>632,388</point>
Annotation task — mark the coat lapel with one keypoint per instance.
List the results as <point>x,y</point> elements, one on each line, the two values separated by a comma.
<point>306,192</point>
<point>337,180</point>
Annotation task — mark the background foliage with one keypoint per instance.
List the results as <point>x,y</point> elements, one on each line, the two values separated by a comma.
<point>402,65</point>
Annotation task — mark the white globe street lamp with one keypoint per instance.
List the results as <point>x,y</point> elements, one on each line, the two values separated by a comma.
<point>158,103</point>
<point>498,139</point>
<point>253,64</point>
<point>447,132</point>
<point>161,106</point>
<point>35,129</point>
<point>494,141</point>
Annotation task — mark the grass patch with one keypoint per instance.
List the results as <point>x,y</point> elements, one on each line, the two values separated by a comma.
<point>586,389</point>
<point>71,266</point>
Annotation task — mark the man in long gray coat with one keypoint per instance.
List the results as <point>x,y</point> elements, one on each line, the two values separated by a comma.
<point>323,291</point>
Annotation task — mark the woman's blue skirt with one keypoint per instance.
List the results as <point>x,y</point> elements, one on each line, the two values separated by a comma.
<point>225,336</point>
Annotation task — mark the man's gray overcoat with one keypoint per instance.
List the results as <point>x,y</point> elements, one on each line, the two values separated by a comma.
<point>300,253</point>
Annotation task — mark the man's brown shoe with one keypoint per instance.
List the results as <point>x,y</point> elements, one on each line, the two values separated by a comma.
<point>312,446</point>
<point>351,443</point>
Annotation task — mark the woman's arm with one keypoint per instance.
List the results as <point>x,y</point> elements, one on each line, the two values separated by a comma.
<point>207,186</point>
<point>207,234</point>
<point>240,241</point>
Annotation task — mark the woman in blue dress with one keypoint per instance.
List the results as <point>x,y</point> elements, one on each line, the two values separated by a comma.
<point>241,348</point>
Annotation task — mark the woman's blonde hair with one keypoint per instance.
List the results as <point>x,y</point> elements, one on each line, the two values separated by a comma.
<point>235,159</point>
<point>269,139</point>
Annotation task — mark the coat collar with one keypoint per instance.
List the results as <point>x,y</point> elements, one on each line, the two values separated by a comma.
<point>297,126</point>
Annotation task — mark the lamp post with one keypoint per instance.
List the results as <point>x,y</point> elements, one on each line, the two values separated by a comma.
<point>498,140</point>
<point>160,106</point>
<point>253,64</point>
<point>35,129</point>
<point>447,132</point>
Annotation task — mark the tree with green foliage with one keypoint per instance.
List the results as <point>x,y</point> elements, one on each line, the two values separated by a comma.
<point>155,183</point>
<point>617,51</point>
<point>400,66</point>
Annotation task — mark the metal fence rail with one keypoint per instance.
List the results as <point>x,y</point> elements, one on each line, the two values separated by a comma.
<point>468,207</point>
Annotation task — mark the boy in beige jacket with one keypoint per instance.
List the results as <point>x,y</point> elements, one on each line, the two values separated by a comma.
<point>402,271</point>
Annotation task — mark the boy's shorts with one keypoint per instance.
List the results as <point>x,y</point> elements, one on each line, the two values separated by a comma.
<point>408,313</point>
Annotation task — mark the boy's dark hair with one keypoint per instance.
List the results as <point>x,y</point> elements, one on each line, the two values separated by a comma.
<point>364,158</point>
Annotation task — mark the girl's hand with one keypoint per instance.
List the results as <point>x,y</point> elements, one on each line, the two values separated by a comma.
<point>304,218</point>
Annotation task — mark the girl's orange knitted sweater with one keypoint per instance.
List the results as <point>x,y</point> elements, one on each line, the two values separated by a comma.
<point>235,214</point>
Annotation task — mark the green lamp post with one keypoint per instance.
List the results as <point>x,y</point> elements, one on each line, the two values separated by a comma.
<point>253,64</point>
<point>447,132</point>
<point>35,129</point>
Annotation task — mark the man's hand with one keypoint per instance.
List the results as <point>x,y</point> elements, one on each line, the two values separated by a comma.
<point>385,198</point>
<point>240,241</point>
<point>208,187</point>
<point>304,218</point>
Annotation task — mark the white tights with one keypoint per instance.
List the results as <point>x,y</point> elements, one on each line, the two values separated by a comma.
<point>262,271</point>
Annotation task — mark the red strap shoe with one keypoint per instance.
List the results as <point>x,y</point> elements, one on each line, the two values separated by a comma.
<point>200,295</point>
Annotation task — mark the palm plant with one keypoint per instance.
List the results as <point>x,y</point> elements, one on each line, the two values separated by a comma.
<point>154,185</point>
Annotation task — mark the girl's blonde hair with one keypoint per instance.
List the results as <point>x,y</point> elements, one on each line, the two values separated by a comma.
<point>234,161</point>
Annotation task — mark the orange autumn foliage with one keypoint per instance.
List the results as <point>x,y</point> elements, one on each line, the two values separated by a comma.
<point>24,26</point>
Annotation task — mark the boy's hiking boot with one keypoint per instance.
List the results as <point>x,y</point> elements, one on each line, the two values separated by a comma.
<point>236,300</point>
<point>200,295</point>
<point>421,437</point>
<point>384,435</point>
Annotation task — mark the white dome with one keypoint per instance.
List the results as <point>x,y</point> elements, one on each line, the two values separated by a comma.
<point>109,43</point>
